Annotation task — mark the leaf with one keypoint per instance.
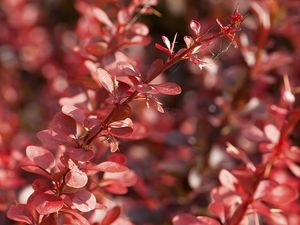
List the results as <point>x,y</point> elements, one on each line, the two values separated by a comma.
<point>80,154</point>
<point>155,67</point>
<point>74,112</point>
<point>63,124</point>
<point>46,203</point>
<point>281,195</point>
<point>102,17</point>
<point>51,139</point>
<point>139,132</point>
<point>111,215</point>
<point>122,112</point>
<point>263,188</point>
<point>195,27</point>
<point>127,178</point>
<point>272,133</point>
<point>166,42</point>
<point>36,170</point>
<point>187,219</point>
<point>121,132</point>
<point>111,167</point>
<point>241,155</point>
<point>140,29</point>
<point>114,187</point>
<point>84,201</point>
<point>41,156</point>
<point>168,88</point>
<point>227,179</point>
<point>76,216</point>
<point>19,213</point>
<point>104,79</point>
<point>75,177</point>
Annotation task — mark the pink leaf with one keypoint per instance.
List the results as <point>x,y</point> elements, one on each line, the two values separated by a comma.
<point>102,17</point>
<point>19,213</point>
<point>114,187</point>
<point>159,47</point>
<point>227,179</point>
<point>282,194</point>
<point>121,132</point>
<point>74,112</point>
<point>63,124</point>
<point>111,167</point>
<point>263,188</point>
<point>76,216</point>
<point>80,154</point>
<point>140,29</point>
<point>139,132</point>
<point>272,133</point>
<point>103,78</point>
<point>166,42</point>
<point>195,27</point>
<point>46,203</point>
<point>51,139</point>
<point>41,156</point>
<point>75,177</point>
<point>111,215</point>
<point>168,88</point>
<point>84,201</point>
<point>187,219</point>
<point>155,67</point>
<point>36,170</point>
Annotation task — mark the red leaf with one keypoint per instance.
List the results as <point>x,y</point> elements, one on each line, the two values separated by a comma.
<point>126,178</point>
<point>227,179</point>
<point>114,187</point>
<point>122,112</point>
<point>84,201</point>
<point>140,29</point>
<point>187,219</point>
<point>111,167</point>
<point>47,203</point>
<point>139,132</point>
<point>76,216</point>
<point>75,177</point>
<point>121,132</point>
<point>74,112</point>
<point>111,215</point>
<point>263,188</point>
<point>168,88</point>
<point>41,156</point>
<point>51,139</point>
<point>155,68</point>
<point>165,50</point>
<point>80,154</point>
<point>104,79</point>
<point>63,124</point>
<point>36,170</point>
<point>102,17</point>
<point>19,213</point>
<point>282,194</point>
<point>195,27</point>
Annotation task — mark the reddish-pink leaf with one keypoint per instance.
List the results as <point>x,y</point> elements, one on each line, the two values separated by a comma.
<point>63,124</point>
<point>140,29</point>
<point>46,203</point>
<point>80,154</point>
<point>36,170</point>
<point>263,188</point>
<point>166,42</point>
<point>19,213</point>
<point>121,132</point>
<point>118,158</point>
<point>75,177</point>
<point>155,67</point>
<point>272,133</point>
<point>51,139</point>
<point>102,17</point>
<point>74,112</point>
<point>165,50</point>
<point>111,215</point>
<point>114,187</point>
<point>103,78</point>
<point>111,167</point>
<point>122,112</point>
<point>139,132</point>
<point>227,179</point>
<point>41,156</point>
<point>78,218</point>
<point>84,200</point>
<point>168,88</point>
<point>187,219</point>
<point>282,194</point>
<point>195,27</point>
<point>189,41</point>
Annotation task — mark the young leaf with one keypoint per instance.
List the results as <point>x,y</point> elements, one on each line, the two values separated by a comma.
<point>84,200</point>
<point>19,213</point>
<point>111,215</point>
<point>46,203</point>
<point>103,78</point>
<point>111,167</point>
<point>195,27</point>
<point>41,156</point>
<point>168,88</point>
